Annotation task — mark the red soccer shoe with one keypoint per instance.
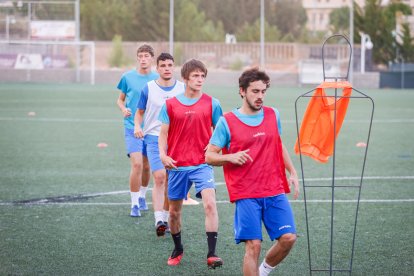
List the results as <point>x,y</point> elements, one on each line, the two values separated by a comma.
<point>176,260</point>
<point>214,261</point>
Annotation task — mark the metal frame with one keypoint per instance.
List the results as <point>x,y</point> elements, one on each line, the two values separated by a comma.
<point>77,44</point>
<point>333,186</point>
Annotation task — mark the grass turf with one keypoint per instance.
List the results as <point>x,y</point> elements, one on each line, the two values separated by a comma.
<point>54,154</point>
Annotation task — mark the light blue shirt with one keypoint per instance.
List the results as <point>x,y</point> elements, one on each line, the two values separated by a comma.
<point>221,136</point>
<point>217,112</point>
<point>131,85</point>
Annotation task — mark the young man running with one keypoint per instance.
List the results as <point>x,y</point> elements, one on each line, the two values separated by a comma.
<point>187,122</point>
<point>153,97</point>
<point>131,84</point>
<point>254,160</point>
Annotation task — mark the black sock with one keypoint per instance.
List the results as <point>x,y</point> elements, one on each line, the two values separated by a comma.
<point>177,243</point>
<point>211,241</point>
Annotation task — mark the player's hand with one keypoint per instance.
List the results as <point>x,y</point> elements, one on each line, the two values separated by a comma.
<point>293,180</point>
<point>240,158</point>
<point>138,132</point>
<point>168,162</point>
<point>126,112</point>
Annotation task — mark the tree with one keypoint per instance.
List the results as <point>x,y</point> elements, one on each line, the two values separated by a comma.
<point>339,20</point>
<point>193,25</point>
<point>146,20</point>
<point>232,13</point>
<point>117,57</point>
<point>379,22</point>
<point>406,48</point>
<point>251,33</point>
<point>288,15</point>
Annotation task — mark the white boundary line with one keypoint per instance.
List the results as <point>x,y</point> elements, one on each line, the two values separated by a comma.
<point>408,177</point>
<point>218,202</point>
<point>86,120</point>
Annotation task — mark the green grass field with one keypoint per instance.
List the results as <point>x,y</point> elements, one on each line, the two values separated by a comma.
<point>64,204</point>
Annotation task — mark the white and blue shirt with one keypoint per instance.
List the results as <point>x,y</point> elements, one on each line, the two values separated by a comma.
<point>152,99</point>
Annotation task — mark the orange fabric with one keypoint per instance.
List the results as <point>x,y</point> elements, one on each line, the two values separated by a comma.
<point>316,133</point>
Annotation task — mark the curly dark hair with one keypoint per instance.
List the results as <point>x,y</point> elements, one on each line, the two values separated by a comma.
<point>252,75</point>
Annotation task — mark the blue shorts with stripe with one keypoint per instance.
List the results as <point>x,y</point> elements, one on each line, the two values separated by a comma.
<point>134,144</point>
<point>275,212</point>
<point>180,182</point>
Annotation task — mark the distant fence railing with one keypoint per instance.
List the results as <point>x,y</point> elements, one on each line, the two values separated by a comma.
<point>278,56</point>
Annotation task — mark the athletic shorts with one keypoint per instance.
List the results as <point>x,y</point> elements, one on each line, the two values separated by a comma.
<point>275,212</point>
<point>179,182</point>
<point>134,144</point>
<point>153,153</point>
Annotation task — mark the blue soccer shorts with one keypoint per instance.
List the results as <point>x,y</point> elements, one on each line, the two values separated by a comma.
<point>179,182</point>
<point>275,212</point>
<point>134,144</point>
<point>153,153</point>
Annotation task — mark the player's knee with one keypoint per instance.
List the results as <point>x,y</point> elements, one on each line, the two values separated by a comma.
<point>136,166</point>
<point>288,240</point>
<point>159,178</point>
<point>253,247</point>
<point>210,207</point>
<point>146,167</point>
<point>174,214</point>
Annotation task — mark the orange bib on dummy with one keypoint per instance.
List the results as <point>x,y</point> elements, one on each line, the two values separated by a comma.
<point>316,133</point>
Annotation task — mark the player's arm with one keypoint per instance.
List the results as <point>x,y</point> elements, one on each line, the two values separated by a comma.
<point>126,112</point>
<point>167,161</point>
<point>293,176</point>
<point>139,117</point>
<point>214,158</point>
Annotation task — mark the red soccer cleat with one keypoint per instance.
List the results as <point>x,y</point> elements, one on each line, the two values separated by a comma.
<point>214,261</point>
<point>176,260</point>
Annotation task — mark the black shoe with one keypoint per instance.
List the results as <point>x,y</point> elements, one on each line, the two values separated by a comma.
<point>160,228</point>
<point>167,230</point>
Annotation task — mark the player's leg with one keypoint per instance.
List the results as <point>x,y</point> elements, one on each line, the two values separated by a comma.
<point>204,183</point>
<point>134,149</point>
<point>248,229</point>
<point>277,253</point>
<point>159,176</point>
<point>146,176</point>
<point>251,257</point>
<point>158,197</point>
<point>166,205</point>
<point>279,222</point>
<point>178,186</point>
<point>135,181</point>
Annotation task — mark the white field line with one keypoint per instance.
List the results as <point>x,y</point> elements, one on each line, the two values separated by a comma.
<point>409,177</point>
<point>61,120</point>
<point>300,180</point>
<point>86,120</point>
<point>218,202</point>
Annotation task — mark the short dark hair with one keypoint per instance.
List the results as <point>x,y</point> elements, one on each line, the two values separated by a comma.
<point>252,75</point>
<point>191,66</point>
<point>164,57</point>
<point>145,48</point>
